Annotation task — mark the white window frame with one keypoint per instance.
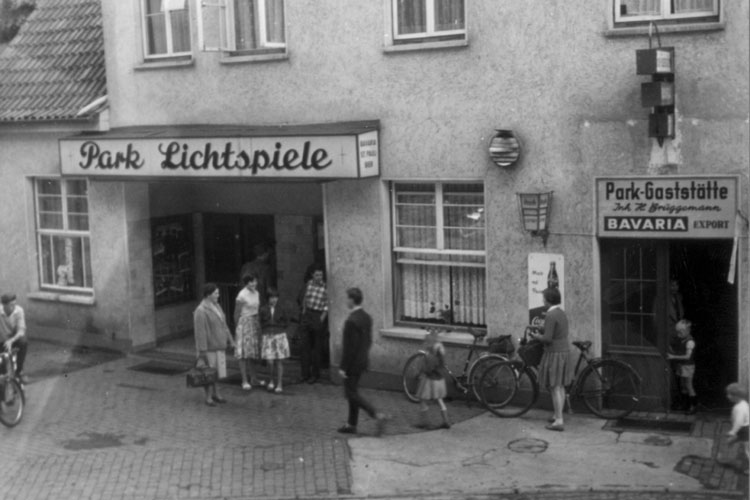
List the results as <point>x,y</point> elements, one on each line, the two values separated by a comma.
<point>430,31</point>
<point>666,14</point>
<point>168,31</point>
<point>227,32</point>
<point>41,232</point>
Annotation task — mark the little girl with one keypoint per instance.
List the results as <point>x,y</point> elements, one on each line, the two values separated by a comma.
<point>432,382</point>
<point>740,417</point>
<point>685,363</point>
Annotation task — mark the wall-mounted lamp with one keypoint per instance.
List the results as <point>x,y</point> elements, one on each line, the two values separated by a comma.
<point>535,211</point>
<point>505,148</point>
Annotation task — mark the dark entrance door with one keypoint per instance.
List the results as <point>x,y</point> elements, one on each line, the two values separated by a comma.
<point>634,285</point>
<point>230,241</point>
<point>637,313</point>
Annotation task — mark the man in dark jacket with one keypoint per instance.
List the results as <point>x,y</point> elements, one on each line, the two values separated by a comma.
<point>354,361</point>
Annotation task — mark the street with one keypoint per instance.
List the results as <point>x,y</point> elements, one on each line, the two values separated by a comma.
<point>108,431</point>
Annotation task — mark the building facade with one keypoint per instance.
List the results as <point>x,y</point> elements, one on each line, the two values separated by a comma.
<point>213,154</point>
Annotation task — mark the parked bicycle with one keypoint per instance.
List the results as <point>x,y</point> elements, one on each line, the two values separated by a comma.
<point>609,388</point>
<point>466,382</point>
<point>12,397</point>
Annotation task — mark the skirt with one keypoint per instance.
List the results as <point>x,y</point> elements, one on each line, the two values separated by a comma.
<point>249,341</point>
<point>218,360</point>
<point>431,389</point>
<point>556,369</point>
<point>685,371</point>
<point>275,346</point>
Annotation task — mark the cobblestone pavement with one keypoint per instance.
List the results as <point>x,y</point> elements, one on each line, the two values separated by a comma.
<point>110,432</point>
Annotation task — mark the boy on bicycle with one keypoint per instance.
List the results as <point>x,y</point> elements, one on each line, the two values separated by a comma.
<point>13,331</point>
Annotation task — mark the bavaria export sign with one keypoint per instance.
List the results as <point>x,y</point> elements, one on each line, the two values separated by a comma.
<point>666,207</point>
<point>293,157</point>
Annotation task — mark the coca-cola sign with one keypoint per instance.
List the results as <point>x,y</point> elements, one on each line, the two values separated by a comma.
<point>319,157</point>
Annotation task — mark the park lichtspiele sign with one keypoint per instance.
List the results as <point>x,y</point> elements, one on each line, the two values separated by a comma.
<point>666,207</point>
<point>293,157</point>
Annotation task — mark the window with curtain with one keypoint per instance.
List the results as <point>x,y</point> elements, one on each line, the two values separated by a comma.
<point>671,10</point>
<point>166,28</point>
<point>439,253</point>
<point>418,19</point>
<point>256,24</point>
<point>63,236</point>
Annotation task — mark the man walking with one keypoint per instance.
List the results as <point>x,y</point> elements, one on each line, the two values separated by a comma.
<point>13,331</point>
<point>355,361</point>
<point>313,325</point>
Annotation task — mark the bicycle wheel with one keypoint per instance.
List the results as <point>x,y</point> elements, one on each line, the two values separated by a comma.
<point>478,368</point>
<point>410,375</point>
<point>610,389</point>
<point>11,403</point>
<point>508,388</point>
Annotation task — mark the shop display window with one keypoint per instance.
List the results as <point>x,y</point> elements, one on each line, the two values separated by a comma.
<point>173,260</point>
<point>439,253</point>
<point>644,11</point>
<point>417,20</point>
<point>63,238</point>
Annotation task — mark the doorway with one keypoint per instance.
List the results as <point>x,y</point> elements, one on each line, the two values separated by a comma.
<point>638,312</point>
<point>230,241</point>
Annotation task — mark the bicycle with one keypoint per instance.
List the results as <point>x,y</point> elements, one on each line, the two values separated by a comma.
<point>466,381</point>
<point>610,389</point>
<point>12,397</point>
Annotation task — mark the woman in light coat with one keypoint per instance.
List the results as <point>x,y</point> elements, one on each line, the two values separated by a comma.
<point>212,338</point>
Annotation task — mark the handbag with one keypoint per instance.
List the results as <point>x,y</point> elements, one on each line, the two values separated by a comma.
<point>201,375</point>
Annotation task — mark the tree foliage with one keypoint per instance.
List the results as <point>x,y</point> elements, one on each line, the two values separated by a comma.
<point>13,13</point>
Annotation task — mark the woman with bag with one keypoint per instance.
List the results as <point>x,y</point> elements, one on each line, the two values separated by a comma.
<point>211,339</point>
<point>556,369</point>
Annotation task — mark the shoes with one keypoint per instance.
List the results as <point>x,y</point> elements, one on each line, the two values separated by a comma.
<point>382,421</point>
<point>246,386</point>
<point>278,390</point>
<point>270,387</point>
<point>445,425</point>
<point>347,429</point>
<point>551,420</point>
<point>261,383</point>
<point>210,403</point>
<point>553,427</point>
<point>219,399</point>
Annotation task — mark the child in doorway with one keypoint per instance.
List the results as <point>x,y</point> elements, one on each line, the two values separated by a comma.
<point>684,363</point>
<point>432,381</point>
<point>740,418</point>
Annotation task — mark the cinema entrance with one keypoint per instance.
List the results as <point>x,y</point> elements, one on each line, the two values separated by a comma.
<point>667,255</point>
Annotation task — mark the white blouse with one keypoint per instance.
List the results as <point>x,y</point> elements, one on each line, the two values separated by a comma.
<point>249,302</point>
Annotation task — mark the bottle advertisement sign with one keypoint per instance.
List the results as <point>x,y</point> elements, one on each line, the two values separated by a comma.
<point>666,207</point>
<point>546,270</point>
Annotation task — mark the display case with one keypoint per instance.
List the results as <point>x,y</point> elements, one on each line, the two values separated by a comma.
<point>173,259</point>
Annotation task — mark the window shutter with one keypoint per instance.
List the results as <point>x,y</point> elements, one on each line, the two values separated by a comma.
<point>212,25</point>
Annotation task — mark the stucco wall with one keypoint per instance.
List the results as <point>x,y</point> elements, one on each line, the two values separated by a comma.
<point>544,69</point>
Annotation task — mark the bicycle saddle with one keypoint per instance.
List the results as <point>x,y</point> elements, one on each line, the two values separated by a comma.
<point>583,345</point>
<point>478,333</point>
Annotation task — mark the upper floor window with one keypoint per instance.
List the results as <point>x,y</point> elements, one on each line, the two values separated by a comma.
<point>63,237</point>
<point>416,20</point>
<point>635,11</point>
<point>166,28</point>
<point>243,26</point>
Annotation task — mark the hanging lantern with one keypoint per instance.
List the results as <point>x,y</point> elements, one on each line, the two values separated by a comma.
<point>505,148</point>
<point>535,212</point>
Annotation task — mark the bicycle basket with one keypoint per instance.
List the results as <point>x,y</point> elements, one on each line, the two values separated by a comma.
<point>501,345</point>
<point>531,352</point>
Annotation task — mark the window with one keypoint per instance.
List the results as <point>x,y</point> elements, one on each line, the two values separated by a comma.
<point>243,26</point>
<point>627,11</point>
<point>439,253</point>
<point>63,239</point>
<point>415,20</point>
<point>166,28</point>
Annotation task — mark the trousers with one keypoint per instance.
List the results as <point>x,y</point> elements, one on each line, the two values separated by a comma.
<point>355,399</point>
<point>312,338</point>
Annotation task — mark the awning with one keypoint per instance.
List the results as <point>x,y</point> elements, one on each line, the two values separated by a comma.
<point>346,150</point>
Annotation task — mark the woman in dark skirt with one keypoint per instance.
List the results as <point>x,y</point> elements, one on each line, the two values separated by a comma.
<point>556,368</point>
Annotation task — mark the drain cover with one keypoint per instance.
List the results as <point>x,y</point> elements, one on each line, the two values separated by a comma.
<point>528,445</point>
<point>159,368</point>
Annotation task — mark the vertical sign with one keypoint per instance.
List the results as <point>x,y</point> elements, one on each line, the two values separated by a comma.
<point>546,270</point>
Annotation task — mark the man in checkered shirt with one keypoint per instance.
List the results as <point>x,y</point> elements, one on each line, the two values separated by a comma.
<point>313,326</point>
